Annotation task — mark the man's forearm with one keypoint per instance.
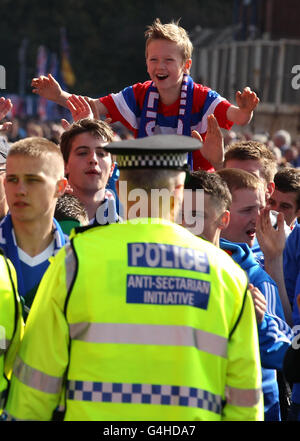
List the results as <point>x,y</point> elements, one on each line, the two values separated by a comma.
<point>63,98</point>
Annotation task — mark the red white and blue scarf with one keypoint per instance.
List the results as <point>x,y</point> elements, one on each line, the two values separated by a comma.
<point>148,120</point>
<point>149,111</point>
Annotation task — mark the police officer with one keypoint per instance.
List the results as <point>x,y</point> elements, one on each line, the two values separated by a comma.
<point>11,324</point>
<point>141,320</point>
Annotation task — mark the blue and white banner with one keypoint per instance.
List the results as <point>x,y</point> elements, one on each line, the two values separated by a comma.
<point>167,290</point>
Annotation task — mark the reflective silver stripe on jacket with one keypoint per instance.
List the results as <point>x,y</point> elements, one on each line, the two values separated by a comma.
<point>149,335</point>
<point>4,344</point>
<point>242,397</point>
<point>36,379</point>
<point>137,393</point>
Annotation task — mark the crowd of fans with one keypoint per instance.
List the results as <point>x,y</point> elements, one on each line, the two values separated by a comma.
<point>243,328</point>
<point>282,144</point>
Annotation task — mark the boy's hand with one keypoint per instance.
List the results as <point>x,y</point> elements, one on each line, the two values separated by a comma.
<point>247,100</point>
<point>82,108</point>
<point>213,146</point>
<point>246,103</point>
<point>79,107</point>
<point>260,304</point>
<point>47,87</point>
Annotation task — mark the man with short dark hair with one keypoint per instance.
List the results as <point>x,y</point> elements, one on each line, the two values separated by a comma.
<point>217,201</point>
<point>255,158</point>
<point>248,202</point>
<point>286,196</point>
<point>219,212</point>
<point>88,167</point>
<point>70,213</point>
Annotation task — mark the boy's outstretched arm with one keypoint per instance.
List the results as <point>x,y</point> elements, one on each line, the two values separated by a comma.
<point>47,87</point>
<point>246,103</point>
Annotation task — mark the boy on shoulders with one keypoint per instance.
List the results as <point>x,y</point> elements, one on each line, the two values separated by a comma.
<point>170,102</point>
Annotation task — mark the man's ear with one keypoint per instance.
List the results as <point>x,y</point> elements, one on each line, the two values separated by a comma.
<point>298,302</point>
<point>112,169</point>
<point>117,187</point>
<point>224,220</point>
<point>270,190</point>
<point>297,214</point>
<point>61,186</point>
<point>66,168</point>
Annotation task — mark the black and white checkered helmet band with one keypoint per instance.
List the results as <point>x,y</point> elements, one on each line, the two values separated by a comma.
<point>169,160</point>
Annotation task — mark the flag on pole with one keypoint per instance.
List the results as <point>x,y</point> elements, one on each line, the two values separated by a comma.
<point>42,58</point>
<point>51,107</point>
<point>66,68</point>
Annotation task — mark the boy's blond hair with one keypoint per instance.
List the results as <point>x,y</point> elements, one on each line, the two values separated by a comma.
<point>171,32</point>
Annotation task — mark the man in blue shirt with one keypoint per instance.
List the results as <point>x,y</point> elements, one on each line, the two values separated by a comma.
<point>29,234</point>
<point>286,196</point>
<point>237,231</point>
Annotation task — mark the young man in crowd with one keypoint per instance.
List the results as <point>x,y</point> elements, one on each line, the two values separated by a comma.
<point>256,158</point>
<point>216,204</point>
<point>286,195</point>
<point>221,213</point>
<point>88,168</point>
<point>29,234</point>
<point>248,202</point>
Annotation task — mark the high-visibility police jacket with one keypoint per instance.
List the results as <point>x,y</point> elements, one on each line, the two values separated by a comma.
<point>140,322</point>
<point>11,324</point>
